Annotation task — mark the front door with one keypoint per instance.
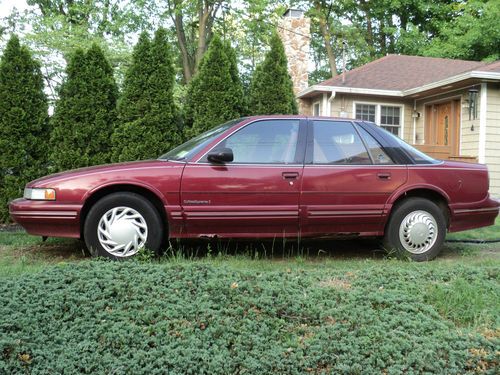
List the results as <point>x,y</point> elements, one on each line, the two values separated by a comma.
<point>256,195</point>
<point>442,122</point>
<point>346,182</point>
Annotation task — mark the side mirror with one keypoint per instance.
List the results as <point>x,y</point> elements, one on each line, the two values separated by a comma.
<point>221,156</point>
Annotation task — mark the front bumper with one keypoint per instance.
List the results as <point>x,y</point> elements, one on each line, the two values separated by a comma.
<point>476,215</point>
<point>46,218</point>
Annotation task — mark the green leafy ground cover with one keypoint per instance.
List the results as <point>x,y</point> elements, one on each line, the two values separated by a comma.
<point>359,313</point>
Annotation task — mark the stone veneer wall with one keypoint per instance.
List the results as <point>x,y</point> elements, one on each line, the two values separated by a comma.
<point>295,34</point>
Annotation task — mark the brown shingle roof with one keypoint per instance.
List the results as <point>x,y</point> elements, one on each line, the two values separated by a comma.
<point>492,67</point>
<point>401,72</point>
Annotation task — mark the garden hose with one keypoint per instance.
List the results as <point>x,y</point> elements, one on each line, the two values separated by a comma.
<point>474,241</point>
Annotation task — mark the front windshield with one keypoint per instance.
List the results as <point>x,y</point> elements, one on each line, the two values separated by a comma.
<point>418,156</point>
<point>193,146</point>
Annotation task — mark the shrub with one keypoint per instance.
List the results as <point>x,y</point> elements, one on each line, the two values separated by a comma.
<point>147,113</point>
<point>215,94</point>
<point>85,113</point>
<point>271,88</point>
<point>23,122</point>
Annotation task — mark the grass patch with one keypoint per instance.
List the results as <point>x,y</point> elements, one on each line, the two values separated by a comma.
<point>21,253</point>
<point>468,301</point>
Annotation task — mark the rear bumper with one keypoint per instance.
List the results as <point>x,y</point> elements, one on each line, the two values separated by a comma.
<point>46,218</point>
<point>470,216</point>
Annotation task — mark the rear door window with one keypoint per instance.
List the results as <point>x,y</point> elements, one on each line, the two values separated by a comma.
<point>337,142</point>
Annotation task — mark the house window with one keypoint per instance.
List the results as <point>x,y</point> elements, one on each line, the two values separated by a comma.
<point>390,118</point>
<point>317,109</point>
<point>365,112</point>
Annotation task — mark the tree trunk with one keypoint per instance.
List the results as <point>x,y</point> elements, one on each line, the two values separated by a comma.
<point>187,65</point>
<point>382,38</point>
<point>204,15</point>
<point>206,12</point>
<point>369,27</point>
<point>325,32</point>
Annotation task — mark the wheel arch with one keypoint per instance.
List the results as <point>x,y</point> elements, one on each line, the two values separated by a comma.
<point>94,196</point>
<point>435,195</point>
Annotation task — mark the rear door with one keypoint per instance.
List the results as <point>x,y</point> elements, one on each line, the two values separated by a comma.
<point>256,195</point>
<point>347,180</point>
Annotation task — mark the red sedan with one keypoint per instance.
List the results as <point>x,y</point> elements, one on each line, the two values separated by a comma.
<point>266,177</point>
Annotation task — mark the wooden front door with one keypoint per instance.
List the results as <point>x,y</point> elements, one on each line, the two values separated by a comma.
<point>442,125</point>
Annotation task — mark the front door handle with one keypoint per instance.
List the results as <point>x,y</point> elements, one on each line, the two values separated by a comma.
<point>290,175</point>
<point>384,176</point>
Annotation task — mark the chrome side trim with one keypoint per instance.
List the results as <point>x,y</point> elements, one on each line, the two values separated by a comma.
<point>345,213</point>
<point>472,210</point>
<point>46,214</point>
<point>249,214</point>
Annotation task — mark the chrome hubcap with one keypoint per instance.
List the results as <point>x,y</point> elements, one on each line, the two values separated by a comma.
<point>418,232</point>
<point>122,231</point>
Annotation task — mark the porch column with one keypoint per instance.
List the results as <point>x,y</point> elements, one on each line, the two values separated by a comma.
<point>482,123</point>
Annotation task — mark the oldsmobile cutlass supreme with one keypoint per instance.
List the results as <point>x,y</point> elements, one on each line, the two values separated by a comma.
<point>266,177</point>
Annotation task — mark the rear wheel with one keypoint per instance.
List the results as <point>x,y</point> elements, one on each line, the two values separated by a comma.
<point>119,225</point>
<point>416,229</point>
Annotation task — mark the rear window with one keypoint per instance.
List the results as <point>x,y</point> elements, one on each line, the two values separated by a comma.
<point>416,155</point>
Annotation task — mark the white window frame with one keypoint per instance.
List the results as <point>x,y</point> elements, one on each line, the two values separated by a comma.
<point>378,112</point>
<point>314,104</point>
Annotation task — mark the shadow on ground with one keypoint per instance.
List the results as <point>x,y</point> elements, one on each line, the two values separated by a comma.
<point>346,249</point>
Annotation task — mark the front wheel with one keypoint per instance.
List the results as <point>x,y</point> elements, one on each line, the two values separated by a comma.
<point>119,225</point>
<point>416,229</point>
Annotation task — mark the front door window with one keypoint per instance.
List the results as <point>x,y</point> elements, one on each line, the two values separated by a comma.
<point>264,142</point>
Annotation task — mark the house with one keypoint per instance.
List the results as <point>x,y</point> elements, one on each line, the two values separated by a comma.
<point>450,109</point>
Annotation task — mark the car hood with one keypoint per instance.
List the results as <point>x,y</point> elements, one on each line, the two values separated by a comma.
<point>104,169</point>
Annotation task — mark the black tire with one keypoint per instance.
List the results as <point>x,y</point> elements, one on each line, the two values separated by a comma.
<point>392,241</point>
<point>155,227</point>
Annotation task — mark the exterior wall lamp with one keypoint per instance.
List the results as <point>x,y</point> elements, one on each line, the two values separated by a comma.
<point>473,103</point>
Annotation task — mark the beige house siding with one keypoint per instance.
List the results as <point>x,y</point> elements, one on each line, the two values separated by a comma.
<point>343,106</point>
<point>492,151</point>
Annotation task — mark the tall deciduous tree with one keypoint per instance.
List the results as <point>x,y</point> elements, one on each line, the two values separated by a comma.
<point>194,22</point>
<point>322,14</point>
<point>215,94</point>
<point>23,122</point>
<point>147,114</point>
<point>271,89</point>
<point>85,113</point>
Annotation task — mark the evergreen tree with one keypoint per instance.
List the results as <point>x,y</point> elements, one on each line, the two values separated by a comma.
<point>271,89</point>
<point>85,113</point>
<point>23,122</point>
<point>238,90</point>
<point>147,113</point>
<point>215,94</point>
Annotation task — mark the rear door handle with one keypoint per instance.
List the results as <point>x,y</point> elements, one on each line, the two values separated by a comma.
<point>290,175</point>
<point>384,176</point>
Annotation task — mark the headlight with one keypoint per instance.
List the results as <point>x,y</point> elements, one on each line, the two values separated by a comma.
<point>40,194</point>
